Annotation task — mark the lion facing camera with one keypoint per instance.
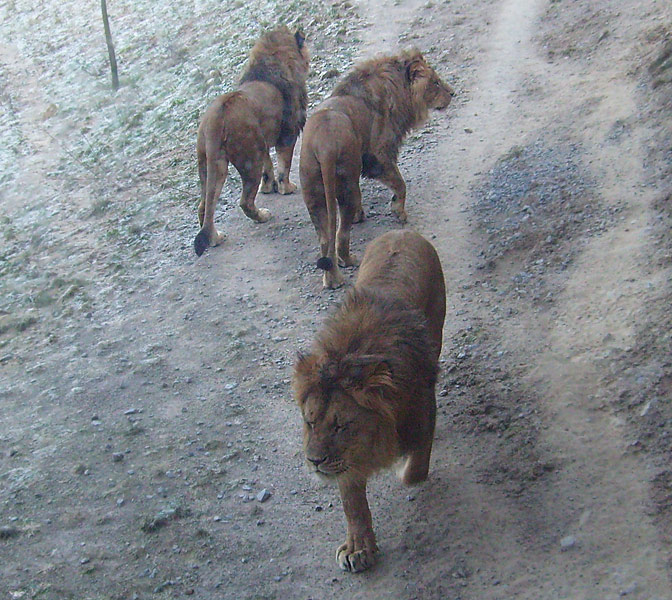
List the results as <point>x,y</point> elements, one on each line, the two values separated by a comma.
<point>366,389</point>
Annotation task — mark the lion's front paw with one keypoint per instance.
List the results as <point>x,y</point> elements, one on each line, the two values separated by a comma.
<point>400,212</point>
<point>353,559</point>
<point>286,187</point>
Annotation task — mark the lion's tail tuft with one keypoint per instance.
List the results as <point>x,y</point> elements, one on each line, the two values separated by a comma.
<point>325,263</point>
<point>201,242</point>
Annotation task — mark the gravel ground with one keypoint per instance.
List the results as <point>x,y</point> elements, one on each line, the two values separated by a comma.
<point>149,444</point>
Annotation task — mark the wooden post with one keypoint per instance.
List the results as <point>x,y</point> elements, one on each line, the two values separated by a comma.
<point>110,46</point>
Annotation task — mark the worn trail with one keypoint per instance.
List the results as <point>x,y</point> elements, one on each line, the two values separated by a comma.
<point>596,502</point>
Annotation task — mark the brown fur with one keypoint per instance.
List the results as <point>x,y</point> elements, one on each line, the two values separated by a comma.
<point>358,131</point>
<point>366,390</point>
<point>267,109</point>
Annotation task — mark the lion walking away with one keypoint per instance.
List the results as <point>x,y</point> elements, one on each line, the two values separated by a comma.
<point>357,131</point>
<point>268,109</point>
<point>366,389</point>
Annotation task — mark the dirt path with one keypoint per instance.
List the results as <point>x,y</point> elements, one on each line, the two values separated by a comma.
<point>598,500</point>
<point>148,406</point>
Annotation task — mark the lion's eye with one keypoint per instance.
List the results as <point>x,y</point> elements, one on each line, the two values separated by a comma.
<point>340,427</point>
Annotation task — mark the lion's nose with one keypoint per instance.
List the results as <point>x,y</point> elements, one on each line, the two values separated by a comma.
<point>317,461</point>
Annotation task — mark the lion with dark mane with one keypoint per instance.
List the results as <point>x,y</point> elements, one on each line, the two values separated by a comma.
<point>268,109</point>
<point>357,131</point>
<point>366,389</point>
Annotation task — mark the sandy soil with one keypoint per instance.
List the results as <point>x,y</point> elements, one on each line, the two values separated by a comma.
<point>145,393</point>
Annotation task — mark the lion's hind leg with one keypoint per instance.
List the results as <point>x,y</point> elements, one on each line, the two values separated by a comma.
<point>285,154</point>
<point>349,207</point>
<point>268,183</point>
<point>332,277</point>
<point>416,467</point>
<point>250,165</point>
<point>208,235</point>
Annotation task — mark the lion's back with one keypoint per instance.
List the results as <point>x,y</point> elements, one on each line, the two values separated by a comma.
<point>405,264</point>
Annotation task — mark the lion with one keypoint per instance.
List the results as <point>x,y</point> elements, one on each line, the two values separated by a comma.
<point>359,130</point>
<point>267,109</point>
<point>366,389</point>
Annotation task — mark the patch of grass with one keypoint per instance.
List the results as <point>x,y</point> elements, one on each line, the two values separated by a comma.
<point>100,207</point>
<point>23,322</point>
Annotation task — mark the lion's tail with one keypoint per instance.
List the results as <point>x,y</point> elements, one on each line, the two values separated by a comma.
<point>216,170</point>
<point>328,168</point>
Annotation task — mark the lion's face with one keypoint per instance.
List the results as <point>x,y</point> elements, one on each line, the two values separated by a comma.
<point>437,93</point>
<point>337,433</point>
<point>343,428</point>
<point>427,86</point>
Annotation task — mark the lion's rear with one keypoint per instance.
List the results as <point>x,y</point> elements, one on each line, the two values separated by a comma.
<point>329,170</point>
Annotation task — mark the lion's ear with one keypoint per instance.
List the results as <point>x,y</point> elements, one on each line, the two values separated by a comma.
<point>368,385</point>
<point>368,372</point>
<point>304,364</point>
<point>415,65</point>
<point>305,375</point>
<point>300,38</point>
<point>415,69</point>
<point>377,376</point>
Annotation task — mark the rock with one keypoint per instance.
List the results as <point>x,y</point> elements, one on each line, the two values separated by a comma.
<point>159,588</point>
<point>647,408</point>
<point>118,456</point>
<point>631,589</point>
<point>263,495</point>
<point>567,542</point>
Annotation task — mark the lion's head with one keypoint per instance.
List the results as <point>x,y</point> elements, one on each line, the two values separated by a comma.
<point>428,90</point>
<point>347,425</point>
<point>400,89</point>
<point>363,373</point>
